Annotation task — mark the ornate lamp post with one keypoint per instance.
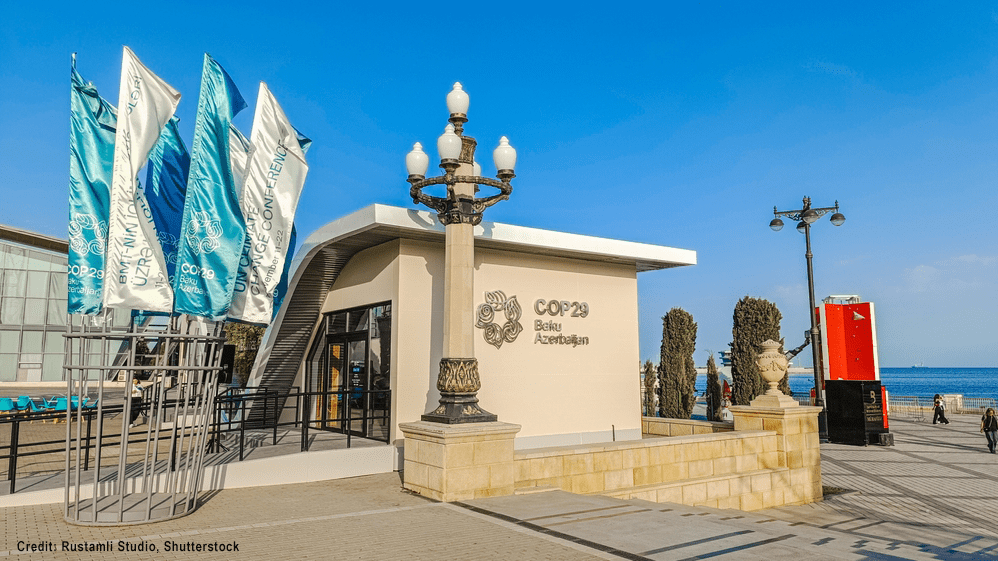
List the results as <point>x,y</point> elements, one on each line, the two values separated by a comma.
<point>805,217</point>
<point>460,211</point>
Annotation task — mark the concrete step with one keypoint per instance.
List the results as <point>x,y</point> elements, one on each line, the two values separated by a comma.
<point>535,489</point>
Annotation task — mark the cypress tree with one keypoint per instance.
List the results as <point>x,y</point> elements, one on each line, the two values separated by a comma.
<point>755,320</point>
<point>650,405</point>
<point>713,391</point>
<point>677,373</point>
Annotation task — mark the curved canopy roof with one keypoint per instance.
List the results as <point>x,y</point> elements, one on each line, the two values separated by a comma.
<point>325,252</point>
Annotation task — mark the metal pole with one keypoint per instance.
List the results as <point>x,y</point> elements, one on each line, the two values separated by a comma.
<point>819,401</point>
<point>69,442</point>
<point>242,430</point>
<point>305,414</point>
<point>86,460</point>
<point>12,462</point>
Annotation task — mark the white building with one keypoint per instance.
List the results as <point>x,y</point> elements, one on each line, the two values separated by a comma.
<point>557,315</point>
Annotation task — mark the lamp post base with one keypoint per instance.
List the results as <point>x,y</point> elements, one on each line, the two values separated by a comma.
<point>458,383</point>
<point>823,425</point>
<point>457,408</point>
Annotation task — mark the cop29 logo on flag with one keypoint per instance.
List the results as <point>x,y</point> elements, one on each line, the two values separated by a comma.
<point>203,233</point>
<point>87,234</point>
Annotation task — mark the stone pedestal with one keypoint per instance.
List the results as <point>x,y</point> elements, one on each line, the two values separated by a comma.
<point>770,401</point>
<point>455,462</point>
<point>797,443</point>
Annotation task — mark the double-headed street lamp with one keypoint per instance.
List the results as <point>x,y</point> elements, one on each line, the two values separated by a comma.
<point>460,211</point>
<point>805,217</point>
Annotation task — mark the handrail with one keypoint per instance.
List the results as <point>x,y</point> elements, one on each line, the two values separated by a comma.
<point>228,401</point>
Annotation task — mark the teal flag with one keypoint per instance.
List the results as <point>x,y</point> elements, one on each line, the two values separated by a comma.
<point>213,228</point>
<point>165,189</point>
<point>91,150</point>
<point>282,286</point>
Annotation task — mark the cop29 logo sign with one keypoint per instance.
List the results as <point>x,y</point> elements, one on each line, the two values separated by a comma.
<point>495,334</point>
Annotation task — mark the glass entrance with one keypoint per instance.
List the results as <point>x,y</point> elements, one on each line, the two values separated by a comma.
<point>332,384</point>
<point>348,371</point>
<point>357,405</point>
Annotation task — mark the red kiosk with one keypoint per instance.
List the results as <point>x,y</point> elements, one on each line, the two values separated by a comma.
<point>855,399</point>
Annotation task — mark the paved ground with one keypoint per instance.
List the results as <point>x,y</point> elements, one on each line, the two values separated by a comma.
<point>937,478</point>
<point>933,496</point>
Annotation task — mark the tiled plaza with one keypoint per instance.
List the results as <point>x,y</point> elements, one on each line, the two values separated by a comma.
<point>932,496</point>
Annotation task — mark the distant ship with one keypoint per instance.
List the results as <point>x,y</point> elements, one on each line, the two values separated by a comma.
<point>919,365</point>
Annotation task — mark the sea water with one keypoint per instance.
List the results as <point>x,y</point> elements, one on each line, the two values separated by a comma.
<point>922,382</point>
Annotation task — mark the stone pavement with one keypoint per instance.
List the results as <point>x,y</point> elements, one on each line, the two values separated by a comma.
<point>933,496</point>
<point>937,481</point>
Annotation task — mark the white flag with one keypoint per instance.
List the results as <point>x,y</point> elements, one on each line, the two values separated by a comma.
<point>239,155</point>
<point>135,269</point>
<point>275,177</point>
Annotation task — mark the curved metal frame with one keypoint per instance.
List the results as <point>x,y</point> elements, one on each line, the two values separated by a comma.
<point>160,477</point>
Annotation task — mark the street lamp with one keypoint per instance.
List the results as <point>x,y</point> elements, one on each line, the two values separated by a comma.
<point>460,211</point>
<point>807,216</point>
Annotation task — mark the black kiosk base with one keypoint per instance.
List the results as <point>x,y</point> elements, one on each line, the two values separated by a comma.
<point>855,413</point>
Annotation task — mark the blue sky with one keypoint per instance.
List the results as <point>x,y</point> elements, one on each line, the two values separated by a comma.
<point>680,125</point>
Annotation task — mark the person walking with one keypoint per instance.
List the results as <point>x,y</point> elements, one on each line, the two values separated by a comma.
<point>136,405</point>
<point>939,410</point>
<point>989,426</point>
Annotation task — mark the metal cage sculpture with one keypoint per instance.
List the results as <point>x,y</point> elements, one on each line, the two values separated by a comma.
<point>157,472</point>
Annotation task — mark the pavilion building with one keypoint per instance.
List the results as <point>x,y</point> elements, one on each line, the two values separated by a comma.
<point>556,316</point>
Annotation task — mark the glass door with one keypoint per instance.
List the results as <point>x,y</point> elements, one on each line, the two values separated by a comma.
<point>333,406</point>
<point>348,372</point>
<point>359,380</point>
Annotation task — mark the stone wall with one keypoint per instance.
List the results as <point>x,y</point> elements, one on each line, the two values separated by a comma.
<point>770,459</point>
<point>661,426</point>
<point>740,470</point>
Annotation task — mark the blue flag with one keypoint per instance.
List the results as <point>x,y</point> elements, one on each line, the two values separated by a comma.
<point>165,189</point>
<point>213,228</point>
<point>91,151</point>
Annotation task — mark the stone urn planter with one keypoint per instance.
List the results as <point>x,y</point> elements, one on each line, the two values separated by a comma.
<point>772,367</point>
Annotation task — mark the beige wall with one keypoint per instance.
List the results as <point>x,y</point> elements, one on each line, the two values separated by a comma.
<point>369,277</point>
<point>586,390</point>
<point>559,394</point>
<point>418,339</point>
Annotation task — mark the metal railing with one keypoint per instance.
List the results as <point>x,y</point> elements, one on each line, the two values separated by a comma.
<point>14,449</point>
<point>916,407</point>
<point>803,399</point>
<point>977,405</point>
<point>233,406</point>
<point>229,418</point>
<point>907,407</point>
